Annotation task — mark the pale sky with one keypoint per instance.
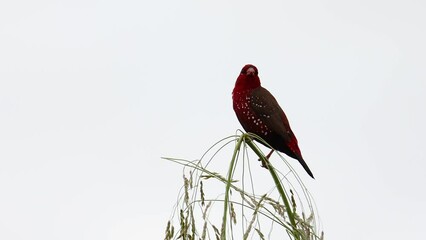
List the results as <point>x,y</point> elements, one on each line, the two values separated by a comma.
<point>93,93</point>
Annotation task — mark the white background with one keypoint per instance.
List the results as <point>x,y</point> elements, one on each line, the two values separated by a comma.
<point>93,93</point>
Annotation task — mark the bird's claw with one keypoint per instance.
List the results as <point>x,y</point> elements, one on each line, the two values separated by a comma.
<point>265,163</point>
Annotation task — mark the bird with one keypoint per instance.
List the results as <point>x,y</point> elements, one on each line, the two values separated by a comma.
<point>259,112</point>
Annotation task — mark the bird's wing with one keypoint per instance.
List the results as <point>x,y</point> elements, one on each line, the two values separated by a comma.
<point>267,109</point>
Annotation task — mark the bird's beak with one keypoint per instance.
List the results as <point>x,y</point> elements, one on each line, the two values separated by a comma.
<point>251,71</point>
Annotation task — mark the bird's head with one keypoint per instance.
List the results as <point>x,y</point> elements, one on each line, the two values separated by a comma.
<point>249,70</point>
<point>248,78</point>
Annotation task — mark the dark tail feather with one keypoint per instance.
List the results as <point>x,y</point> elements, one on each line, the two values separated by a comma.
<point>305,166</point>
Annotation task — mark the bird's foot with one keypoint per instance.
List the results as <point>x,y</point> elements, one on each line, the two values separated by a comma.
<point>265,162</point>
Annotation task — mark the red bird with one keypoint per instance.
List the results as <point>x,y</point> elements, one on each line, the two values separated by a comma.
<point>259,113</point>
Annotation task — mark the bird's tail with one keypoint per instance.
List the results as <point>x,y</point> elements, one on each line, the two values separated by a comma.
<point>305,166</point>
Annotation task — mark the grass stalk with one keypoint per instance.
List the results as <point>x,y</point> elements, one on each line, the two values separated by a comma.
<point>228,187</point>
<point>278,184</point>
<point>198,210</point>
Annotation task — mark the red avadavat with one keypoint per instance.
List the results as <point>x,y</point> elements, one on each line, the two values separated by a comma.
<point>259,113</point>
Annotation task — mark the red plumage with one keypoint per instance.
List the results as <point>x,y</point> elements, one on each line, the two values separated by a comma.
<point>259,113</point>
